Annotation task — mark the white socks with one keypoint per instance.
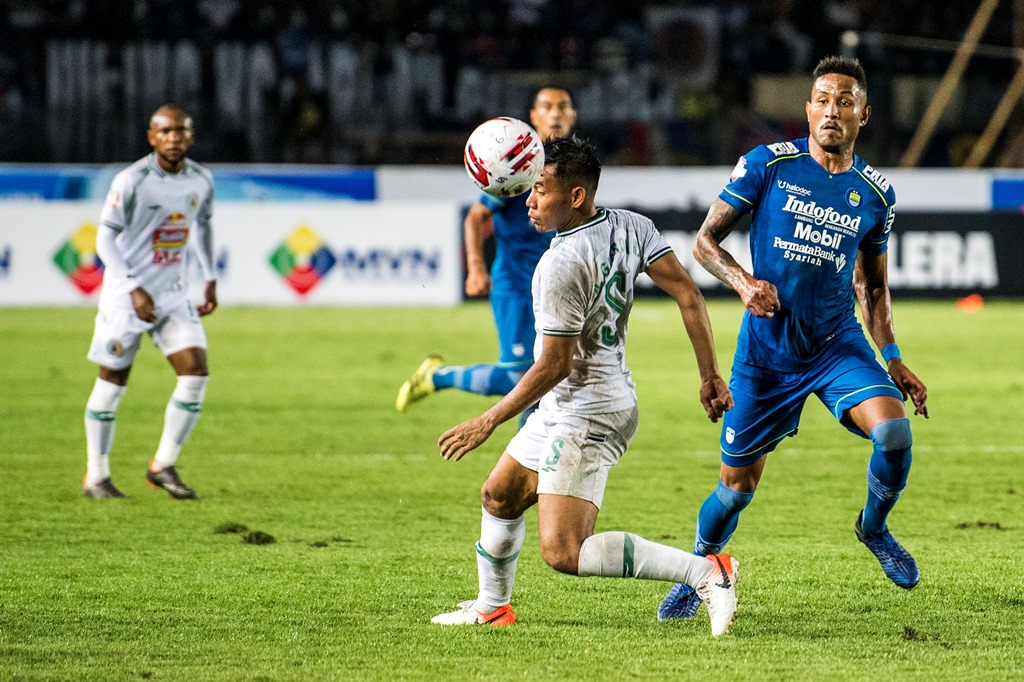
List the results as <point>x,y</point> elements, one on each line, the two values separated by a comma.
<point>99,429</point>
<point>180,418</point>
<point>616,554</point>
<point>497,555</point>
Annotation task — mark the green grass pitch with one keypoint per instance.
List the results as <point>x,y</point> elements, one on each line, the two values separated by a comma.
<point>374,533</point>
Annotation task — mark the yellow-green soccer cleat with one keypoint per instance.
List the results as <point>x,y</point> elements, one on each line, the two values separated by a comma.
<point>420,384</point>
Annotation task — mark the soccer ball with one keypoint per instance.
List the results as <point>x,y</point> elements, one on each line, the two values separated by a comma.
<point>504,156</point>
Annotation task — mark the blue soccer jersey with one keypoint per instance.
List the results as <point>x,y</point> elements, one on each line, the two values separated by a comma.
<point>806,229</point>
<point>518,245</point>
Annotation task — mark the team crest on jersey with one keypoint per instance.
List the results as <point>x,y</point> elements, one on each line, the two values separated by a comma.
<point>739,171</point>
<point>853,198</point>
<point>114,199</point>
<point>114,347</point>
<point>175,219</point>
<point>193,201</point>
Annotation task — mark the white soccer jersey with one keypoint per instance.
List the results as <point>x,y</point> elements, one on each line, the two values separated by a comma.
<point>155,213</point>
<point>583,286</point>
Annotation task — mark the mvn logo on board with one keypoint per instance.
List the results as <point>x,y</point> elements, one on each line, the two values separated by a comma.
<point>77,259</point>
<point>302,260</point>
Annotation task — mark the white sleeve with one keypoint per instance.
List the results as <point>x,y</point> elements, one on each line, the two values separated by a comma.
<point>563,296</point>
<point>115,213</point>
<point>203,245</point>
<point>655,245</point>
<point>203,248</point>
<point>109,253</point>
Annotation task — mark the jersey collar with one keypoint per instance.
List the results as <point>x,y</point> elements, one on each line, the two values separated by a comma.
<point>155,167</point>
<point>599,217</point>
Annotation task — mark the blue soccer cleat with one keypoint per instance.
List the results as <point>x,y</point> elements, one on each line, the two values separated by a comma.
<point>680,602</point>
<point>897,563</point>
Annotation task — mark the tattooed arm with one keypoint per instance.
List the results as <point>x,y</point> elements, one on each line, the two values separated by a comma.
<point>760,297</point>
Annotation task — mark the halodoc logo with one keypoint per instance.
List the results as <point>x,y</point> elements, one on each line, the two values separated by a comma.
<point>302,260</point>
<point>77,259</point>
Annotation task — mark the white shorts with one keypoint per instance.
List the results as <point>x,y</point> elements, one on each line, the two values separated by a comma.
<point>118,332</point>
<point>573,453</point>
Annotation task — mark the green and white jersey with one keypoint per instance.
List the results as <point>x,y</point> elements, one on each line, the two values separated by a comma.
<point>583,287</point>
<point>156,215</point>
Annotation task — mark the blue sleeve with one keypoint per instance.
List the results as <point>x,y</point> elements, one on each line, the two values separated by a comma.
<point>876,242</point>
<point>493,203</point>
<point>746,185</point>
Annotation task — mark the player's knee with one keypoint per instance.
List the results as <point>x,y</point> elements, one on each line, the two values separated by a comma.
<point>500,501</point>
<point>733,500</point>
<point>561,555</point>
<point>892,435</point>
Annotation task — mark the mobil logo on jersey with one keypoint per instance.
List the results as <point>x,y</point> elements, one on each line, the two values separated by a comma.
<point>823,237</point>
<point>77,259</point>
<point>302,260</point>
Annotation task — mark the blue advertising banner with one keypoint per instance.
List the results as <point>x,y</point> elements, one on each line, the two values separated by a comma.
<point>234,183</point>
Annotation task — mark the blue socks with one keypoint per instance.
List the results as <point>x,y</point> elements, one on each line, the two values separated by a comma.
<point>887,476</point>
<point>479,379</point>
<point>718,517</point>
<point>887,472</point>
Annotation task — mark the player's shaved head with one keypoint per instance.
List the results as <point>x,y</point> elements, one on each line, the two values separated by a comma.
<point>170,134</point>
<point>171,112</point>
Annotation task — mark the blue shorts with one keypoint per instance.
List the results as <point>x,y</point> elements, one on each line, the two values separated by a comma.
<point>768,403</point>
<point>513,316</point>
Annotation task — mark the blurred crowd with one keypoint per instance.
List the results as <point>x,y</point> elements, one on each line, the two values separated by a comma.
<point>685,69</point>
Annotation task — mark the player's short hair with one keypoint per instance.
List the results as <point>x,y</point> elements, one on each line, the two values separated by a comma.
<point>575,160</point>
<point>551,86</point>
<point>846,66</point>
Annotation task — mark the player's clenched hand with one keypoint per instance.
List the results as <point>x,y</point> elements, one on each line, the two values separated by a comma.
<point>715,397</point>
<point>910,386</point>
<point>210,304</point>
<point>470,434</point>
<point>143,303</point>
<point>478,282</point>
<point>761,298</point>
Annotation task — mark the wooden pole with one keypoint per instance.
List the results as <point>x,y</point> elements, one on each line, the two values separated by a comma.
<point>1000,116</point>
<point>948,84</point>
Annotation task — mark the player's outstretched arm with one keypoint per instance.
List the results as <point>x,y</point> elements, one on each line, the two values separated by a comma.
<point>760,297</point>
<point>871,284</point>
<point>554,364</point>
<point>474,230</point>
<point>670,276</point>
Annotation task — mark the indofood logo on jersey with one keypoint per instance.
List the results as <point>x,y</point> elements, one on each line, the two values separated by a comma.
<point>302,260</point>
<point>77,259</point>
<point>820,215</point>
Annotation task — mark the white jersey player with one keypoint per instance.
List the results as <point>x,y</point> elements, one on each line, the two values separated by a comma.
<point>583,293</point>
<point>156,209</point>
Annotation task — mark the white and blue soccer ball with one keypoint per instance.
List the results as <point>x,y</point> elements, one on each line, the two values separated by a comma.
<point>504,156</point>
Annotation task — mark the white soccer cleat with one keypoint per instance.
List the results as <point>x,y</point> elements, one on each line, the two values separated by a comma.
<point>718,590</point>
<point>466,614</point>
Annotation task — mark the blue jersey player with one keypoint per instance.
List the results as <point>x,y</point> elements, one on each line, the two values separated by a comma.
<point>518,248</point>
<point>818,237</point>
